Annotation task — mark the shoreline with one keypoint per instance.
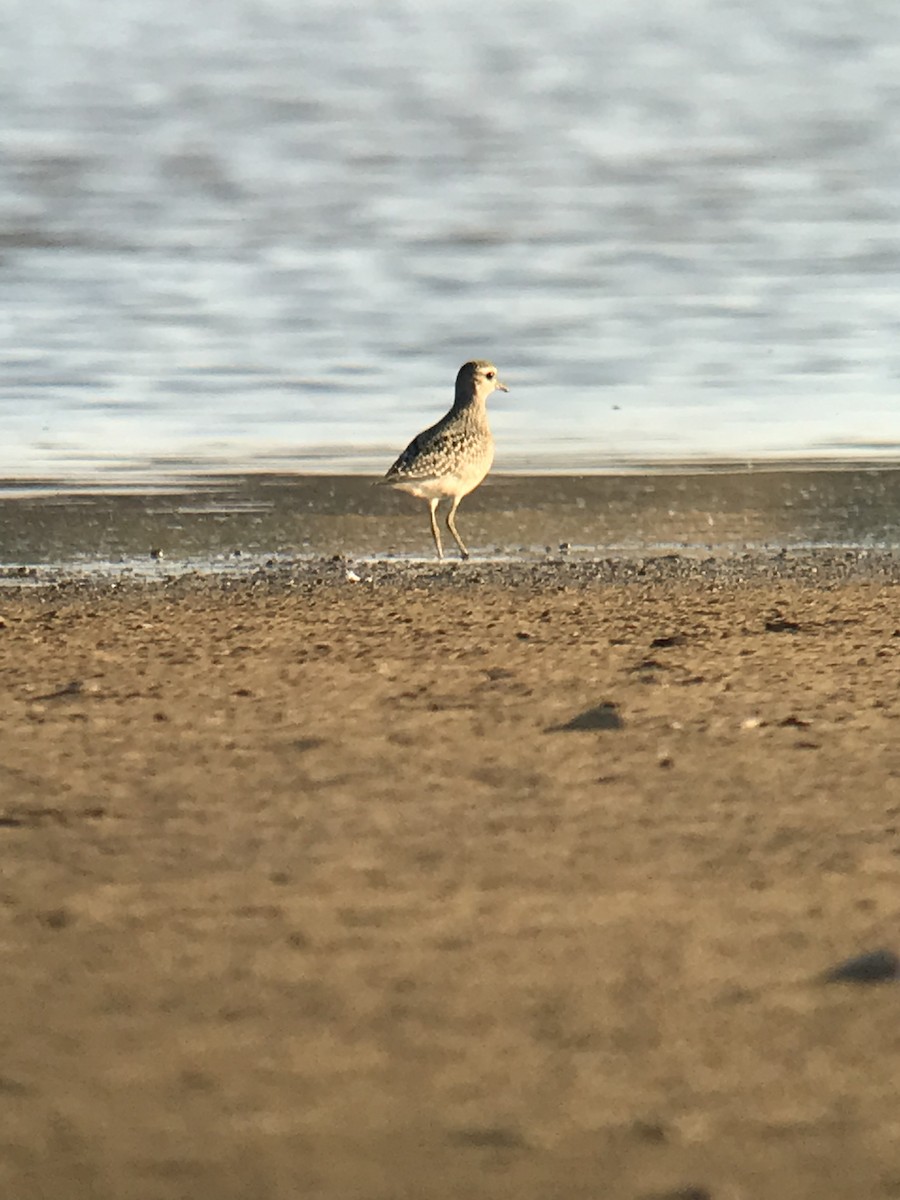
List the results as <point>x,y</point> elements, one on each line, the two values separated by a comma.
<point>508,518</point>
<point>814,567</point>
<point>150,476</point>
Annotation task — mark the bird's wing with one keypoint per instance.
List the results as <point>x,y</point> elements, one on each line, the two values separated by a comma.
<point>423,456</point>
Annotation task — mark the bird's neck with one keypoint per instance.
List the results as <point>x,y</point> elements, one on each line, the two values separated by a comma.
<point>467,402</point>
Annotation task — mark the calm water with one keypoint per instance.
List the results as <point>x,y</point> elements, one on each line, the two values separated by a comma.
<point>262,234</point>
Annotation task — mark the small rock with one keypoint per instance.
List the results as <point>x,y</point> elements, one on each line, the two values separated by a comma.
<point>603,716</point>
<point>650,1131</point>
<point>55,918</point>
<point>74,688</point>
<point>307,743</point>
<point>669,639</point>
<point>781,625</point>
<point>875,966</point>
<point>496,1137</point>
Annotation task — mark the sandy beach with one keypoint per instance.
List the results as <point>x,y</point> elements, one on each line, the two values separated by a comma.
<point>464,881</point>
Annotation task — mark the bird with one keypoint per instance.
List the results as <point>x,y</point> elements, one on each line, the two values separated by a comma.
<point>452,457</point>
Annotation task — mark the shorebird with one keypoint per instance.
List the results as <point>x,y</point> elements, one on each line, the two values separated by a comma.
<point>453,456</point>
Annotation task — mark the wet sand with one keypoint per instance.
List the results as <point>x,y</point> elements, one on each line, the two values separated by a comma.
<point>379,881</point>
<point>210,523</point>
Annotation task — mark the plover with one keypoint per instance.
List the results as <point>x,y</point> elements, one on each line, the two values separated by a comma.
<point>453,456</point>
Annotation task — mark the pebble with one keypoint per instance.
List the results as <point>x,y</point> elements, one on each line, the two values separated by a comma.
<point>875,966</point>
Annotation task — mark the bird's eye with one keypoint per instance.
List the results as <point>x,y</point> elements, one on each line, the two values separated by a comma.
<point>489,374</point>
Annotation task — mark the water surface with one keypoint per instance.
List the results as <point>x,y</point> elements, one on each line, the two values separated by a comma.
<point>263,235</point>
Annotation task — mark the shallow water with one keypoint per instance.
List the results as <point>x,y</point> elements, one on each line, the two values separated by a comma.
<point>238,523</point>
<point>261,235</point>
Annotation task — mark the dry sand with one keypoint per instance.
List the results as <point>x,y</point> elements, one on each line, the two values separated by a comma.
<point>310,892</point>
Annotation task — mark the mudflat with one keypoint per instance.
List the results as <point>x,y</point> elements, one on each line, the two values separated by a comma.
<point>452,882</point>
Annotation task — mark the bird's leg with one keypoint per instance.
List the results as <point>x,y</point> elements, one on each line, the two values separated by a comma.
<point>435,532</point>
<point>451,525</point>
